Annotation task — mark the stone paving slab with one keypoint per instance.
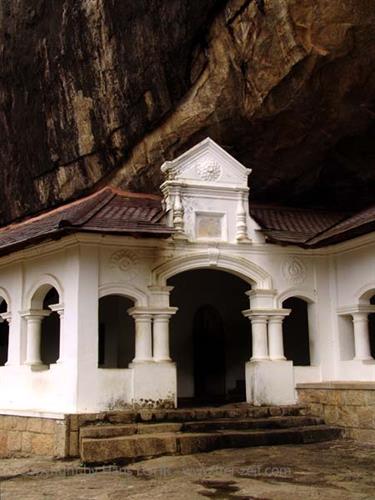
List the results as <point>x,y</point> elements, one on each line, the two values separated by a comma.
<point>336,470</point>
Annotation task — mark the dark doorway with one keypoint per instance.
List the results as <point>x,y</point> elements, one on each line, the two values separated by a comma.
<point>4,334</point>
<point>50,338</point>
<point>210,339</point>
<point>296,332</point>
<point>371,324</point>
<point>116,340</point>
<point>209,354</point>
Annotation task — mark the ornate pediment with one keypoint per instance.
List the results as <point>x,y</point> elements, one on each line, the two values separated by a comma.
<point>206,194</point>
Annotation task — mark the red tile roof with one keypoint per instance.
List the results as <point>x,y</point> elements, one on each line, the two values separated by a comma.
<point>311,228</point>
<point>360,223</point>
<point>113,211</point>
<point>107,211</point>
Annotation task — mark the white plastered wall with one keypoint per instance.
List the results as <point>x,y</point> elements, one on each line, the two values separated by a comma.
<point>205,192</point>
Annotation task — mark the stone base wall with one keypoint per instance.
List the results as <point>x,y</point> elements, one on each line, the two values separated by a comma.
<point>29,435</point>
<point>50,435</point>
<point>350,405</point>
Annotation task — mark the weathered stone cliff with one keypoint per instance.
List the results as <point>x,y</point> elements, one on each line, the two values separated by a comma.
<point>99,91</point>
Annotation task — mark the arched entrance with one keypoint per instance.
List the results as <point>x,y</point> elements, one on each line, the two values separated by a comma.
<point>296,332</point>
<point>116,341</point>
<point>4,333</point>
<point>50,331</point>
<point>371,320</point>
<point>210,338</point>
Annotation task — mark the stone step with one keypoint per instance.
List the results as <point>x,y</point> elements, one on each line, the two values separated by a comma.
<point>239,410</point>
<point>251,423</point>
<point>110,430</point>
<point>141,446</point>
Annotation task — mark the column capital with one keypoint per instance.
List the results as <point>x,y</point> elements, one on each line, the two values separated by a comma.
<point>151,312</point>
<point>356,309</point>
<point>139,312</point>
<point>279,314</point>
<point>59,308</point>
<point>6,316</point>
<point>360,316</point>
<point>164,312</point>
<point>36,314</point>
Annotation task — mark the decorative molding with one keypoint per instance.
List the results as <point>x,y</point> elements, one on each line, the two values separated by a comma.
<point>294,270</point>
<point>309,295</point>
<point>124,260</point>
<point>213,256</point>
<point>245,269</point>
<point>126,290</point>
<point>209,171</point>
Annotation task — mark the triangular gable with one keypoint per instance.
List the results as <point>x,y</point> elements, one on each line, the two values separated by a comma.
<point>207,162</point>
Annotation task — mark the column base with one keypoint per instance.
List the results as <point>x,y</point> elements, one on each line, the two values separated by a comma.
<point>37,367</point>
<point>369,358</point>
<point>154,384</point>
<point>137,361</point>
<point>270,383</point>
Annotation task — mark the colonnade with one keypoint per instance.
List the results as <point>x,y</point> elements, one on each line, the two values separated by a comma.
<point>267,334</point>
<point>34,320</point>
<point>152,334</point>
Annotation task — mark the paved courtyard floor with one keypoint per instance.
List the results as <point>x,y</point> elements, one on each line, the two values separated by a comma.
<point>334,470</point>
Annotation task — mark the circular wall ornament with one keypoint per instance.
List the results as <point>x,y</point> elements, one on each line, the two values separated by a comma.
<point>294,270</point>
<point>125,260</point>
<point>209,171</point>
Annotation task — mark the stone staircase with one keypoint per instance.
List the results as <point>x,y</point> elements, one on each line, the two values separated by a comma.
<point>151,433</point>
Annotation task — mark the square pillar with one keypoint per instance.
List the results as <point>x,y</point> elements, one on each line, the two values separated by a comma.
<point>154,385</point>
<point>270,383</point>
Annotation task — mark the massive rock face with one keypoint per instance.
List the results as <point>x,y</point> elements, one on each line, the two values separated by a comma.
<point>103,91</point>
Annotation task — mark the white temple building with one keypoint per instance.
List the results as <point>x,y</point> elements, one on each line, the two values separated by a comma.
<point>122,300</point>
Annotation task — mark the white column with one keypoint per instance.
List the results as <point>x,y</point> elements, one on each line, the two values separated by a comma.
<point>34,329</point>
<point>361,336</point>
<point>59,308</point>
<point>259,337</point>
<point>275,337</point>
<point>143,336</point>
<point>161,337</point>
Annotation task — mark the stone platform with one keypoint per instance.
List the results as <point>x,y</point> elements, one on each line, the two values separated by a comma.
<point>130,435</point>
<point>189,431</point>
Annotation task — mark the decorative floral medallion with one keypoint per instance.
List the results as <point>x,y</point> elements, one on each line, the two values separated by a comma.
<point>125,260</point>
<point>294,270</point>
<point>209,171</point>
